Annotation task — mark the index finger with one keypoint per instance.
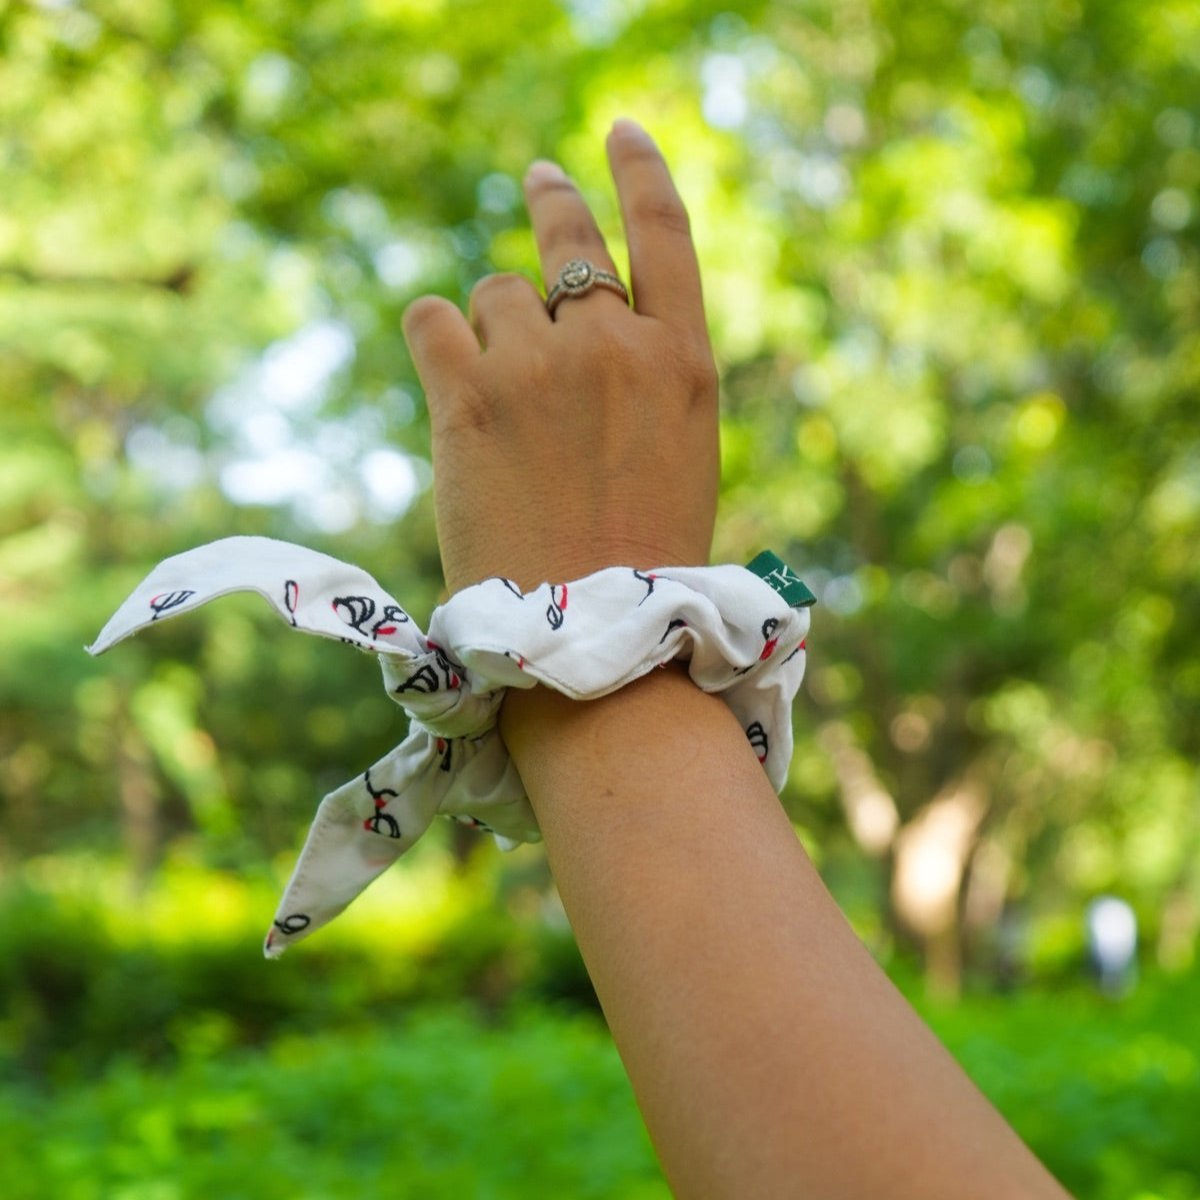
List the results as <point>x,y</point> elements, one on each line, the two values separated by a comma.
<point>662,259</point>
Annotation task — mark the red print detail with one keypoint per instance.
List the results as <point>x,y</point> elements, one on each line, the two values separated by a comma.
<point>441,745</point>
<point>386,629</point>
<point>768,649</point>
<point>381,823</point>
<point>557,606</point>
<point>804,644</point>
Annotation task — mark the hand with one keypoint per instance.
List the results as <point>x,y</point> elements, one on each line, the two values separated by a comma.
<point>561,446</point>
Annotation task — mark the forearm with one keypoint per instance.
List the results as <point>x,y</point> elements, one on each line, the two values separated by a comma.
<point>770,1055</point>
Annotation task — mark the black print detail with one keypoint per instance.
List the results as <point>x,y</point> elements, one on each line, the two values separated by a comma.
<point>758,740</point>
<point>424,680</point>
<point>768,628</point>
<point>454,673</point>
<point>384,824</point>
<point>512,587</point>
<point>291,597</point>
<point>446,750</point>
<point>475,823</point>
<point>166,601</point>
<point>677,623</point>
<point>379,821</point>
<point>378,794</point>
<point>356,611</point>
<point>293,923</point>
<point>793,654</point>
<point>555,614</point>
<point>648,579</point>
<point>393,615</point>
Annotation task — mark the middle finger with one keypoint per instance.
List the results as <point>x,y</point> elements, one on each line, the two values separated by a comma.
<point>564,228</point>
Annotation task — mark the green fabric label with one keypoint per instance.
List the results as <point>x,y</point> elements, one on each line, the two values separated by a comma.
<point>771,569</point>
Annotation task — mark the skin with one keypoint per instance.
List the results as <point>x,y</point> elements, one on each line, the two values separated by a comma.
<point>770,1055</point>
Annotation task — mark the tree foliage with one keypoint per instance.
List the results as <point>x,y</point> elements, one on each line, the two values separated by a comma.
<point>952,274</point>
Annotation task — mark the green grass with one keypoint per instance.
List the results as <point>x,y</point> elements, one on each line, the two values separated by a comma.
<point>434,1106</point>
<point>145,1056</point>
<point>1107,1093</point>
<point>443,1104</point>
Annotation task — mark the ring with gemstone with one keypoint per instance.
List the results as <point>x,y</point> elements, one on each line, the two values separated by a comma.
<point>577,278</point>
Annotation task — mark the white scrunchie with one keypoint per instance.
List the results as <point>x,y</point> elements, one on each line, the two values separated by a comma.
<point>742,630</point>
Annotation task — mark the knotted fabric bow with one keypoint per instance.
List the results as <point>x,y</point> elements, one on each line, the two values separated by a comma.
<point>741,630</point>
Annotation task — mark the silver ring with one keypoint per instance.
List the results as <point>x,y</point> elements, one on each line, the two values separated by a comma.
<point>577,278</point>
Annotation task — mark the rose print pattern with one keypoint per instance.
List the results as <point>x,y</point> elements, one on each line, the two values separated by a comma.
<point>769,641</point>
<point>379,821</point>
<point>556,612</point>
<point>291,597</point>
<point>169,600</point>
<point>359,611</point>
<point>758,740</point>
<point>453,761</point>
<point>677,623</point>
<point>648,579</point>
<point>424,679</point>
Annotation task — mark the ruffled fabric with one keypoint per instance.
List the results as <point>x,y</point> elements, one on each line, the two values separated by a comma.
<point>741,631</point>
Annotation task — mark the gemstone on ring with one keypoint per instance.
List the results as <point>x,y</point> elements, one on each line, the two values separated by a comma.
<point>577,278</point>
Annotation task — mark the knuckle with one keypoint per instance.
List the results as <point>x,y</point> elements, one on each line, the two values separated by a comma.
<point>616,343</point>
<point>571,231</point>
<point>665,213</point>
<point>538,370</point>
<point>609,348</point>
<point>549,186</point>
<point>694,363</point>
<point>500,283</point>
<point>470,411</point>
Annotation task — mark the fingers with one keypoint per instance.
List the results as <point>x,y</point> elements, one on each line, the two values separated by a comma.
<point>564,228</point>
<point>442,343</point>
<point>506,307</point>
<point>662,258</point>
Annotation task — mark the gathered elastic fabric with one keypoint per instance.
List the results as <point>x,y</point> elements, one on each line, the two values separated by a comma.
<point>741,631</point>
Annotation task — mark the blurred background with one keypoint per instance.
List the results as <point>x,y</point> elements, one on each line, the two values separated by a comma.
<point>953,276</point>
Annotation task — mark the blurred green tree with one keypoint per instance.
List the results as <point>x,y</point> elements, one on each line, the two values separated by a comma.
<point>952,273</point>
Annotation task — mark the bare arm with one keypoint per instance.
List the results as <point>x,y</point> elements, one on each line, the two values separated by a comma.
<point>770,1055</point>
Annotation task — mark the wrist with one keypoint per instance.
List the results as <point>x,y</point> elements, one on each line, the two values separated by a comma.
<point>552,738</point>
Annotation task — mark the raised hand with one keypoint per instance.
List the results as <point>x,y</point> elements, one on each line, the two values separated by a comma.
<point>588,439</point>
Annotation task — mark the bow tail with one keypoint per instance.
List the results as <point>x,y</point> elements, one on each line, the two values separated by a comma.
<point>359,831</point>
<point>312,592</point>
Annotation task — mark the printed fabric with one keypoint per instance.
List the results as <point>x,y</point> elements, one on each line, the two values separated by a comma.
<point>741,631</point>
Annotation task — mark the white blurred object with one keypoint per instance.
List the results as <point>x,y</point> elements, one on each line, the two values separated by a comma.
<point>1112,936</point>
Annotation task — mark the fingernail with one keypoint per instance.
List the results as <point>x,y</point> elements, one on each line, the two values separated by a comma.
<point>543,170</point>
<point>624,127</point>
